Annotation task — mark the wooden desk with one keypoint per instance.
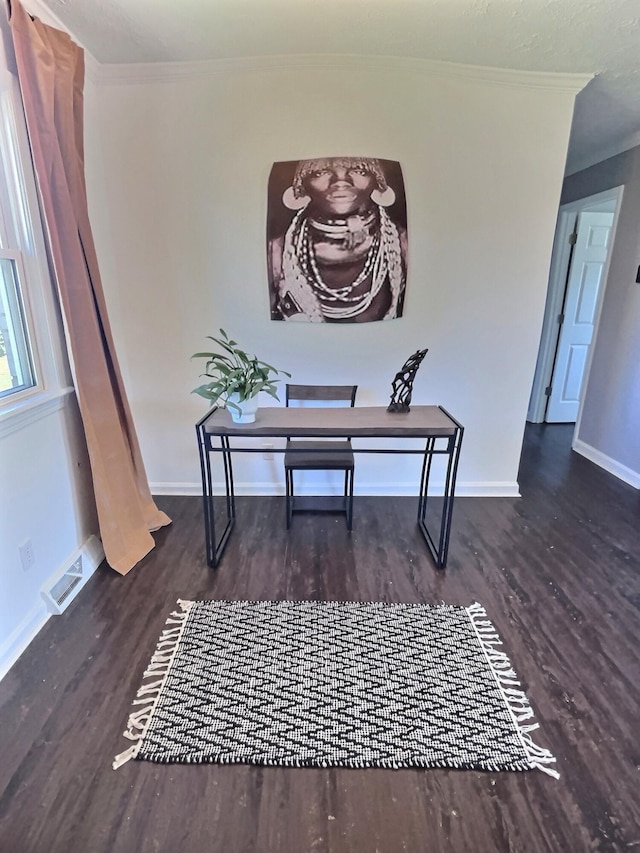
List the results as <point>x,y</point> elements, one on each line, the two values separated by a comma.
<point>442,434</point>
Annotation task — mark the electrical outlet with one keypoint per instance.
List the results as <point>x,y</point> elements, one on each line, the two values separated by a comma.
<point>268,447</point>
<point>26,555</point>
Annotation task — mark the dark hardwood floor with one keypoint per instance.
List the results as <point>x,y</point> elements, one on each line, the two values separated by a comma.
<point>559,574</point>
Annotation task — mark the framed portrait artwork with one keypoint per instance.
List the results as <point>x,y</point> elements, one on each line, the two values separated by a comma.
<point>336,240</point>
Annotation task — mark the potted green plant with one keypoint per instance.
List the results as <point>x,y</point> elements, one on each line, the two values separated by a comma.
<point>236,378</point>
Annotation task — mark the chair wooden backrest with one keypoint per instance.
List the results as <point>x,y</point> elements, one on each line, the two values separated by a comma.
<point>321,393</point>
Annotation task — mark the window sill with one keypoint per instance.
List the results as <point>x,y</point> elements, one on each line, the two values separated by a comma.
<point>16,416</point>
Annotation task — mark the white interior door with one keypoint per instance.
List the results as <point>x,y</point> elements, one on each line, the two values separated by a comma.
<point>584,283</point>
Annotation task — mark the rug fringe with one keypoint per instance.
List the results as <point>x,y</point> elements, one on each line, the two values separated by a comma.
<point>515,699</point>
<point>150,691</point>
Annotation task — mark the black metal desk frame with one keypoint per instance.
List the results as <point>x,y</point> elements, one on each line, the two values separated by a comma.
<point>450,432</point>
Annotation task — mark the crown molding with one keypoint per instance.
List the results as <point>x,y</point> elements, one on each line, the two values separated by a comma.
<point>92,68</point>
<point>37,8</point>
<point>169,72</point>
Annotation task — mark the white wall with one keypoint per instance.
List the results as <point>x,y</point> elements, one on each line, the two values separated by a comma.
<point>178,162</point>
<point>46,499</point>
<point>608,432</point>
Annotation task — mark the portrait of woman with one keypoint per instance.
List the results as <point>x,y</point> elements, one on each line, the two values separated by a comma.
<point>336,240</point>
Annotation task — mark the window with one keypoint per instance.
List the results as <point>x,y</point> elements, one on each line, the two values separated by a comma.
<point>29,355</point>
<point>16,367</point>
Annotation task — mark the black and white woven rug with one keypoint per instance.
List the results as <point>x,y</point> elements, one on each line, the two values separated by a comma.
<point>333,684</point>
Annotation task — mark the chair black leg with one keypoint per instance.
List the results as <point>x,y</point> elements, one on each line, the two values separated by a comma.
<point>289,490</point>
<point>349,498</point>
<point>346,495</point>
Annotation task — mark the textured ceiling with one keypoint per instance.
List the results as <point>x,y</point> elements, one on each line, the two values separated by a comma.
<point>599,37</point>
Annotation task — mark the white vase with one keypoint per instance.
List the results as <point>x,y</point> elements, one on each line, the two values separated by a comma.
<point>248,409</point>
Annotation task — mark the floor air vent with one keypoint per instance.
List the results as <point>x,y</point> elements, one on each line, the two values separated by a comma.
<point>59,595</point>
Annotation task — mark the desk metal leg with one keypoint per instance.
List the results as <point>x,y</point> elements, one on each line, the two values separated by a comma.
<point>228,477</point>
<point>424,477</point>
<point>214,548</point>
<point>207,493</point>
<point>440,551</point>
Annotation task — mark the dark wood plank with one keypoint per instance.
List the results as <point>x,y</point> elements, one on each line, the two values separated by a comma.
<point>559,574</point>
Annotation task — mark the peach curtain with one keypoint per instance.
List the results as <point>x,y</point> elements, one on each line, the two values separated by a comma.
<point>51,74</point>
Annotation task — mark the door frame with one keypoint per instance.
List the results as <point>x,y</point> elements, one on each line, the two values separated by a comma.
<point>559,269</point>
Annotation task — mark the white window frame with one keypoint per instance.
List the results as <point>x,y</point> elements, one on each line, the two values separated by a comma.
<point>23,236</point>
<point>16,340</point>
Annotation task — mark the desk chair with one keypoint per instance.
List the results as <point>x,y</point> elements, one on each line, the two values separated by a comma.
<point>333,456</point>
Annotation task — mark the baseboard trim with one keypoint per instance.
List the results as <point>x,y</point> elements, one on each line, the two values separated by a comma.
<point>603,461</point>
<point>18,641</point>
<point>506,489</point>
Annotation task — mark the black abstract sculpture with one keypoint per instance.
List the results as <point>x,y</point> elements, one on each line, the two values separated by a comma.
<point>402,384</point>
